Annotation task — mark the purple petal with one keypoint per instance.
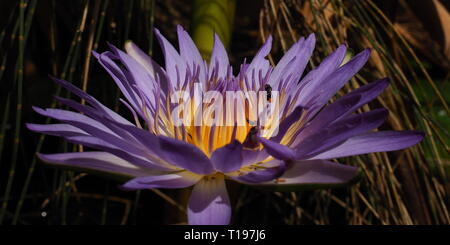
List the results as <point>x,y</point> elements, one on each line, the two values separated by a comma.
<point>98,116</point>
<point>119,78</point>
<point>95,129</point>
<point>61,130</point>
<point>338,132</point>
<point>125,82</point>
<point>346,105</point>
<point>190,52</point>
<point>125,137</point>
<point>319,171</point>
<point>228,158</point>
<point>209,203</point>
<point>153,68</point>
<point>169,181</point>
<point>185,155</point>
<point>250,156</point>
<point>259,62</point>
<point>301,52</point>
<point>262,175</point>
<point>91,100</point>
<point>143,161</point>
<point>330,114</point>
<point>336,80</point>
<point>302,174</point>
<point>370,91</point>
<point>141,57</point>
<point>373,142</point>
<point>219,57</point>
<point>99,161</point>
<point>262,52</point>
<point>70,116</point>
<point>277,150</point>
<point>144,137</point>
<point>173,60</point>
<point>138,75</point>
<point>288,58</point>
<point>314,79</point>
<point>293,117</point>
<point>151,143</point>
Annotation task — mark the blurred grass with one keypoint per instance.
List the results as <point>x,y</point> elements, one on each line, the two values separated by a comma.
<point>55,37</point>
<point>408,187</point>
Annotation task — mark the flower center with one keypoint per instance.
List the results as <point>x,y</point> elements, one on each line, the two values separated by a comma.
<point>213,113</point>
<point>213,177</point>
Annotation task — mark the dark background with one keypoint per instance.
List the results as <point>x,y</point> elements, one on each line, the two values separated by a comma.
<point>409,187</point>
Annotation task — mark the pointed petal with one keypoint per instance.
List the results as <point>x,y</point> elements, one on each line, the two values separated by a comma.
<point>263,175</point>
<point>173,60</point>
<point>137,75</point>
<point>185,155</point>
<point>262,52</point>
<point>299,53</point>
<point>153,68</point>
<point>277,150</point>
<point>228,158</point>
<point>250,156</point>
<point>96,129</point>
<point>369,92</point>
<point>287,123</point>
<point>373,142</point>
<point>209,203</point>
<point>91,100</point>
<point>336,80</point>
<point>168,181</point>
<point>99,162</point>
<point>97,116</point>
<point>105,59</point>
<point>190,52</point>
<point>345,105</point>
<point>330,114</point>
<point>259,62</point>
<point>62,130</point>
<point>141,57</point>
<point>142,161</point>
<point>338,132</point>
<point>219,57</point>
<point>70,116</point>
<point>288,58</point>
<point>144,137</point>
<point>314,174</point>
<point>314,79</point>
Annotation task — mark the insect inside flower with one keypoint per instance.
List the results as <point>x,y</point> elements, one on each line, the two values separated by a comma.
<point>199,123</point>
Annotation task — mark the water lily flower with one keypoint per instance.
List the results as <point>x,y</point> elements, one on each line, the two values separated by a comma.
<point>155,152</point>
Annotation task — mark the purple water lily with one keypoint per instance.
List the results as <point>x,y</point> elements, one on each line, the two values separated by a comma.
<point>154,152</point>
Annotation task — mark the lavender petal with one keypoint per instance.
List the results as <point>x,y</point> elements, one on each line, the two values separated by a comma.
<point>166,181</point>
<point>185,155</point>
<point>373,142</point>
<point>313,174</point>
<point>209,203</point>
<point>98,161</point>
<point>228,158</point>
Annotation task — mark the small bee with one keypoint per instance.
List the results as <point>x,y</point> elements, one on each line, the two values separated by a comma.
<point>251,141</point>
<point>268,89</point>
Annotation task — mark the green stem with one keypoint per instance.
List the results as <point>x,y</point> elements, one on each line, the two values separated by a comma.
<point>151,20</point>
<point>8,97</point>
<point>72,54</point>
<point>22,7</point>
<point>4,122</point>
<point>209,17</point>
